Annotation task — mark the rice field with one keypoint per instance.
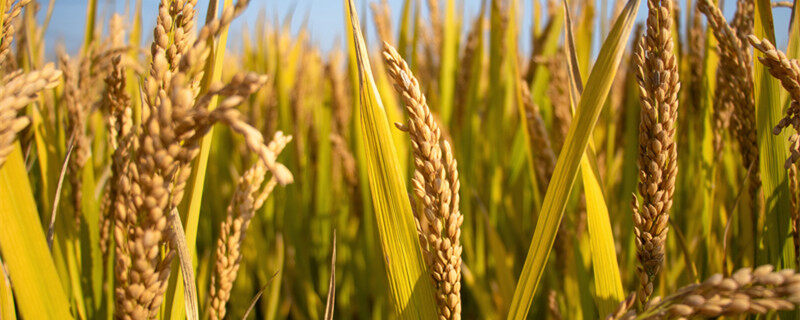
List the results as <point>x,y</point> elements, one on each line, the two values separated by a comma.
<point>645,169</point>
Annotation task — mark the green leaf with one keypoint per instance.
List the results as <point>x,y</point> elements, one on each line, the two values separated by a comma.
<point>607,283</point>
<point>773,151</point>
<point>410,287</point>
<point>22,241</point>
<point>7,308</point>
<point>566,170</point>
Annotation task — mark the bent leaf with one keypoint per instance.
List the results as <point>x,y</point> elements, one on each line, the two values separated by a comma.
<point>410,287</point>
<point>566,170</point>
<point>607,283</point>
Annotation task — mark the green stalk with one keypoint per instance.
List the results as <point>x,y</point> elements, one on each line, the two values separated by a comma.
<point>91,271</point>
<point>548,45</point>
<point>404,32</point>
<point>708,166</point>
<point>449,59</point>
<point>132,82</point>
<point>91,18</point>
<point>516,82</point>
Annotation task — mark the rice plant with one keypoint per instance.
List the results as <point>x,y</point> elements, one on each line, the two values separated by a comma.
<point>610,166</point>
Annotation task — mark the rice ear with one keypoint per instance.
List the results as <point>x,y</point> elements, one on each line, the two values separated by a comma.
<point>657,73</point>
<point>747,291</point>
<point>436,184</point>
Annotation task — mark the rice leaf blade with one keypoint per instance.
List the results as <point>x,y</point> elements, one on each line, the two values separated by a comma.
<point>597,88</point>
<point>24,248</point>
<point>7,308</point>
<point>410,288</point>
<point>772,151</point>
<point>607,283</point>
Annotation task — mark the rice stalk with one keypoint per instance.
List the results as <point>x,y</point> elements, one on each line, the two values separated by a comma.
<point>696,54</point>
<point>608,285</point>
<point>330,300</point>
<point>466,74</point>
<point>552,306</point>
<point>795,213</point>
<point>436,23</point>
<point>450,34</point>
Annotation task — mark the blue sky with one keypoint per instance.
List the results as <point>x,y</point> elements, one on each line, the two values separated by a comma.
<point>325,18</point>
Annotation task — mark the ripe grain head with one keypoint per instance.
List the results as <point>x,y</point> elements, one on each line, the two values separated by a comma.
<point>657,73</point>
<point>436,185</point>
<point>249,196</point>
<point>17,91</point>
<point>747,291</point>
